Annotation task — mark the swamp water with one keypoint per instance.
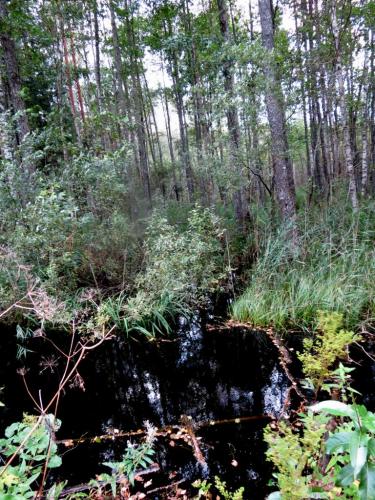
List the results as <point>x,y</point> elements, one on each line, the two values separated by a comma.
<point>225,382</point>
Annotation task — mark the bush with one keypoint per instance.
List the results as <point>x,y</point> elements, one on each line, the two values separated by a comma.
<point>186,263</point>
<point>182,267</point>
<point>32,441</point>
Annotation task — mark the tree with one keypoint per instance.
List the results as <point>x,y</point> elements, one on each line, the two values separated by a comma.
<point>232,116</point>
<point>13,80</point>
<point>348,154</point>
<point>283,173</point>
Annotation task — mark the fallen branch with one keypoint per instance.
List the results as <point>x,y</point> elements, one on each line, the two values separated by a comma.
<point>161,432</point>
<point>86,486</point>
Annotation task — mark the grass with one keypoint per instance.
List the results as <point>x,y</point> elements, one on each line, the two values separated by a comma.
<point>140,315</point>
<point>333,271</point>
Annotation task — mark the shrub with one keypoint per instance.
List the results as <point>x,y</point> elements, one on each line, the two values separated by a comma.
<point>18,481</point>
<point>329,451</point>
<point>183,266</point>
<point>185,263</point>
<point>329,344</point>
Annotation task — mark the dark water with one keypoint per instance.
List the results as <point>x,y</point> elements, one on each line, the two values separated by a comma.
<point>206,374</point>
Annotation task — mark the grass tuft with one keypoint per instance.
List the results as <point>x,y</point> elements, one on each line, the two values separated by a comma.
<point>333,271</point>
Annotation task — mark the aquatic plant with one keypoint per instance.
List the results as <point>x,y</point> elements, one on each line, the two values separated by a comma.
<point>140,315</point>
<point>136,457</point>
<point>182,268</point>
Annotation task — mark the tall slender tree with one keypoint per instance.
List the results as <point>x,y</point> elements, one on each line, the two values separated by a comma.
<point>13,78</point>
<point>283,173</point>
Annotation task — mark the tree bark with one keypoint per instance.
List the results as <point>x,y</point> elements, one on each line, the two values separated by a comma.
<point>184,140</point>
<point>139,111</point>
<point>98,78</point>
<point>14,80</point>
<point>344,112</point>
<point>121,92</point>
<point>283,174</point>
<point>232,118</point>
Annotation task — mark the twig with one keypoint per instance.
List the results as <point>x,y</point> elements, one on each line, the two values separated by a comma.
<point>364,350</point>
<point>86,486</point>
<point>163,431</point>
<point>166,487</point>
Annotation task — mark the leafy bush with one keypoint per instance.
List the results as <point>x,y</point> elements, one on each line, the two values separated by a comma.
<point>205,488</point>
<point>330,449</point>
<point>182,268</point>
<point>291,454</point>
<point>299,457</point>
<point>329,344</point>
<point>185,263</point>
<point>33,446</point>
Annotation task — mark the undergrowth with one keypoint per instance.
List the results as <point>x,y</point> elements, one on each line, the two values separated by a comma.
<point>328,451</point>
<point>333,270</point>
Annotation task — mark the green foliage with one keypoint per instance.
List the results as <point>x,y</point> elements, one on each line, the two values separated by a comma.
<point>182,268</point>
<point>221,486</point>
<point>330,450</point>
<point>18,480</point>
<point>141,315</point>
<point>185,263</point>
<point>136,457</point>
<point>291,453</point>
<point>332,271</point>
<point>205,488</point>
<point>351,449</point>
<point>299,457</point>
<point>329,344</point>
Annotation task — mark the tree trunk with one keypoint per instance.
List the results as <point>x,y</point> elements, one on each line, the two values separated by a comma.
<point>121,97</point>
<point>139,111</point>
<point>167,118</point>
<point>14,80</point>
<point>283,174</point>
<point>348,154</point>
<point>232,118</point>
<point>98,78</point>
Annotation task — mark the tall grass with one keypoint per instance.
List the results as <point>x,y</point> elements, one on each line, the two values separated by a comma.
<point>334,271</point>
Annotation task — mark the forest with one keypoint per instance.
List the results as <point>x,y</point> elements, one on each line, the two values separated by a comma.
<point>187,258</point>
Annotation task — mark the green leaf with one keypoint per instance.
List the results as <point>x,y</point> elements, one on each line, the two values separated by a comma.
<point>367,482</point>
<point>367,418</point>
<point>335,408</point>
<point>54,461</point>
<point>10,431</point>
<point>358,452</point>
<point>371,447</point>
<point>346,476</point>
<point>339,441</point>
